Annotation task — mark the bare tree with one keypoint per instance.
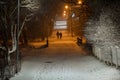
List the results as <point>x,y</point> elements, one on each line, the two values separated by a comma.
<point>10,23</point>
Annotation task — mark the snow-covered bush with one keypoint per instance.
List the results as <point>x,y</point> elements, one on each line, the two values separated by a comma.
<point>104,32</point>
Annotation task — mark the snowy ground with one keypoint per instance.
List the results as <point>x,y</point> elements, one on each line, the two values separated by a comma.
<point>63,60</point>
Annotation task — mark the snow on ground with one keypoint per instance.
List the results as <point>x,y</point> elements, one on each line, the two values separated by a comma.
<point>63,61</point>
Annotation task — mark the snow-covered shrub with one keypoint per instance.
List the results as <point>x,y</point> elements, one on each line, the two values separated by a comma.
<point>104,32</point>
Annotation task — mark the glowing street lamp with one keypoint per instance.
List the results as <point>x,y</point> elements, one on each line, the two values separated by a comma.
<point>64,11</point>
<point>64,14</point>
<point>79,2</point>
<point>66,7</point>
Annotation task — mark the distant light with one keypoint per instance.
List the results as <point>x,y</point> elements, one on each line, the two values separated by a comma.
<point>79,2</point>
<point>66,7</point>
<point>64,14</point>
<point>64,11</point>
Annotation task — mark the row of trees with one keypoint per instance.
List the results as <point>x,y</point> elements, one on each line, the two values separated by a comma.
<point>78,16</point>
<point>82,14</point>
<point>12,23</point>
<point>98,20</point>
<point>101,27</point>
<point>36,18</point>
<point>41,24</point>
<point>24,20</point>
<point>11,17</point>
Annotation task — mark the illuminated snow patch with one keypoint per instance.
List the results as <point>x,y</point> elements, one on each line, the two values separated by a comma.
<point>60,24</point>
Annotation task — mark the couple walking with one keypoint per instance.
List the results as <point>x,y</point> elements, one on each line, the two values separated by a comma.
<point>59,35</point>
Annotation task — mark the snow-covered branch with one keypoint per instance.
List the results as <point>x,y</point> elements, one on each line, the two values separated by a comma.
<point>32,5</point>
<point>27,18</point>
<point>14,42</point>
<point>13,11</point>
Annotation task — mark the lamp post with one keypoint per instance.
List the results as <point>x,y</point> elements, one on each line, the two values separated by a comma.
<point>47,40</point>
<point>17,37</point>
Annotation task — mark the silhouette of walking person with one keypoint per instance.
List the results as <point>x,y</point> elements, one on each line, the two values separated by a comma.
<point>57,34</point>
<point>60,34</point>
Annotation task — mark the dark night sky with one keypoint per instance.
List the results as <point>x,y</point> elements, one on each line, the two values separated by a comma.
<point>51,6</point>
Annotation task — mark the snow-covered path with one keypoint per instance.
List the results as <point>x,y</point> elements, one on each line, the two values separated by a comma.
<point>63,61</point>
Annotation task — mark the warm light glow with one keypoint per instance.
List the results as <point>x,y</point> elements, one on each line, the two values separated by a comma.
<point>64,14</point>
<point>64,11</point>
<point>79,2</point>
<point>66,7</point>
